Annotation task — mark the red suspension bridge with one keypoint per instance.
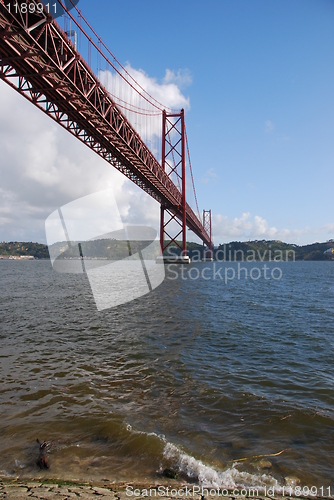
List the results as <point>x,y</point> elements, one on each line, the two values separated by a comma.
<point>109,111</point>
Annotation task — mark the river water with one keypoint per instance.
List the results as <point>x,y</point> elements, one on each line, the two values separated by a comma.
<point>228,382</point>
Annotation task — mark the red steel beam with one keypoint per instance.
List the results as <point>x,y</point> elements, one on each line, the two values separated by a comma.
<point>38,60</point>
<point>184,203</point>
<point>207,224</point>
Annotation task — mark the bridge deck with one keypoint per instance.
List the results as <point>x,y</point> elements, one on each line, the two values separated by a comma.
<point>39,61</point>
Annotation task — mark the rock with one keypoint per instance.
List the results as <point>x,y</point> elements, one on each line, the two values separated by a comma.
<point>95,462</point>
<point>101,491</point>
<point>292,481</point>
<point>16,492</point>
<point>170,473</point>
<point>265,464</point>
<point>76,489</point>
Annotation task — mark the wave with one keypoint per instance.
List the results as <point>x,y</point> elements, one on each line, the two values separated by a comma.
<point>205,475</point>
<point>209,477</point>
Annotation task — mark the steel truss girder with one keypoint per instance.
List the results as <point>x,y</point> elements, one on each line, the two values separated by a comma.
<point>172,239</point>
<point>38,60</point>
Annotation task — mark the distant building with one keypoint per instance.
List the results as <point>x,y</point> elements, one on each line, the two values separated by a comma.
<point>17,257</point>
<point>329,250</point>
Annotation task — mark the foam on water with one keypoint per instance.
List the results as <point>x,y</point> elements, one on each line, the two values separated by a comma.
<point>209,477</point>
<point>206,475</point>
<point>130,429</point>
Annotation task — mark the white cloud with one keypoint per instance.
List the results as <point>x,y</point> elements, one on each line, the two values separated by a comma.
<point>328,229</point>
<point>209,176</point>
<point>269,126</point>
<point>167,94</point>
<point>247,227</point>
<point>182,78</point>
<point>269,129</point>
<point>43,167</point>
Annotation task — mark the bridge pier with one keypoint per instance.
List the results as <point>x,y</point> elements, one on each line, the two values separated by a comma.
<point>174,164</point>
<point>208,229</point>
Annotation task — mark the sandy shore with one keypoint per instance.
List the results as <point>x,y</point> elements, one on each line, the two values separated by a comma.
<point>56,489</point>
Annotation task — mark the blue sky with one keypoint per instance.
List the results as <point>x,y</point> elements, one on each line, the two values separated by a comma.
<point>259,76</point>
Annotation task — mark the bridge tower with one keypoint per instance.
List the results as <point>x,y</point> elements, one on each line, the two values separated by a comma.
<point>208,228</point>
<point>39,61</point>
<point>174,164</point>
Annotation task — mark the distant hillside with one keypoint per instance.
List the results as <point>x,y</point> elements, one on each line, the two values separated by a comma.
<point>234,251</point>
<point>261,250</point>
<point>271,250</point>
<point>16,249</point>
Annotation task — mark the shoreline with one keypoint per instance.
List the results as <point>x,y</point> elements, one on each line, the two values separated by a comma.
<point>53,489</point>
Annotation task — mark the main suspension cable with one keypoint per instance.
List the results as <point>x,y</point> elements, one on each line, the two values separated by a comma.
<point>150,98</point>
<point>191,174</point>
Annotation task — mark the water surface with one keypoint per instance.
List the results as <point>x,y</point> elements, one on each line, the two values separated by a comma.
<point>200,375</point>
